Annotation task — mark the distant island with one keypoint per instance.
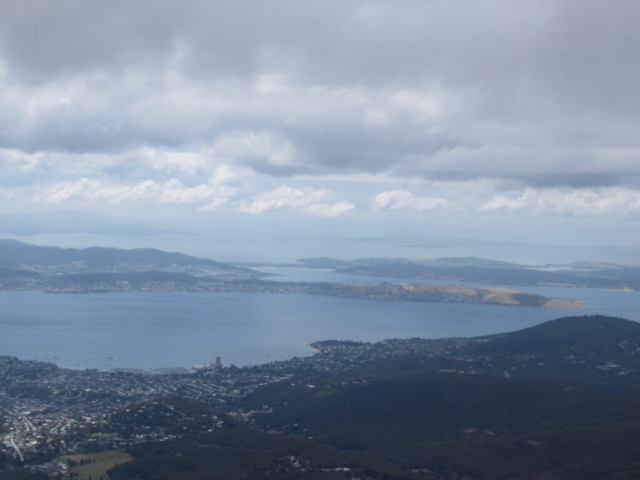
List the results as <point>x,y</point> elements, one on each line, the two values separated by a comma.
<point>479,270</point>
<point>25,267</point>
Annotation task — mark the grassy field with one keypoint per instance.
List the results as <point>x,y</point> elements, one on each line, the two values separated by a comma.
<point>96,470</point>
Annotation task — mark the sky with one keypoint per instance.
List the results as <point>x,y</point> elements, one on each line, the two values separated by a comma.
<point>291,128</point>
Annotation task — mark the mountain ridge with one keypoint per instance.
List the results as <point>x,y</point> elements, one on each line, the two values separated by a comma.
<point>14,254</point>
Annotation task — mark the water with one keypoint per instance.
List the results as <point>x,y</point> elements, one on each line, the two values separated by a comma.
<point>309,241</point>
<point>161,330</point>
<point>304,274</point>
<point>605,302</point>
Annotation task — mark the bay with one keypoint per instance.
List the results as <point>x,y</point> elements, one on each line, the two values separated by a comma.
<point>164,330</point>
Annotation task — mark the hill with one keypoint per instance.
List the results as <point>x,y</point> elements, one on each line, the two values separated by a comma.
<point>14,254</point>
<point>479,270</point>
<point>444,262</point>
<point>559,401</point>
<point>534,404</point>
<point>69,270</point>
<point>238,452</point>
<point>597,333</point>
<point>436,409</point>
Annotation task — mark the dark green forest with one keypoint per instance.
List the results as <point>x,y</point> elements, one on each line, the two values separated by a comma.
<point>555,416</point>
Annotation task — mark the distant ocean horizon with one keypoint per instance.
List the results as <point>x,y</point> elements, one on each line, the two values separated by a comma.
<point>287,250</point>
<point>167,330</point>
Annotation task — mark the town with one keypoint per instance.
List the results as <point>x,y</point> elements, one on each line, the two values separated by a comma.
<point>49,412</point>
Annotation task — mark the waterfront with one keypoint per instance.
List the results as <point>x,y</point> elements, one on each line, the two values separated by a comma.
<point>163,330</point>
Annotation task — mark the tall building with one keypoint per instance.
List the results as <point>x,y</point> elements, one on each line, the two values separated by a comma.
<point>218,362</point>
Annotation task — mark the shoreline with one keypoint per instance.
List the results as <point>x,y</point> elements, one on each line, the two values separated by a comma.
<point>311,347</point>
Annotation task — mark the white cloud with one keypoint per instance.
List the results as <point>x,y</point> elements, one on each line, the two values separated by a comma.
<point>174,192</point>
<point>8,193</point>
<point>425,104</point>
<point>403,199</point>
<point>205,197</point>
<point>599,202</point>
<point>309,201</point>
<point>187,163</point>
<point>21,161</point>
<point>481,197</point>
<point>513,203</point>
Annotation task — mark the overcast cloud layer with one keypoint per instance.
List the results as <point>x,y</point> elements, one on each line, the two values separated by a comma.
<point>322,108</point>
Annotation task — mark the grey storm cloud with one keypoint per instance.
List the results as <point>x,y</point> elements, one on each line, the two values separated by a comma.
<point>538,92</point>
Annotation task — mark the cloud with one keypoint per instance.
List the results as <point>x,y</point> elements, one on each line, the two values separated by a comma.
<point>207,196</point>
<point>403,199</point>
<point>325,86</point>
<point>601,202</point>
<point>478,198</point>
<point>7,193</point>
<point>319,203</point>
<point>204,197</point>
<point>529,108</point>
<point>251,147</point>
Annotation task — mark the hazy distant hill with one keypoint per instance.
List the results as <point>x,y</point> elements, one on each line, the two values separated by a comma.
<point>9,242</point>
<point>70,270</point>
<point>14,254</point>
<point>479,270</point>
<point>445,262</point>
<point>468,262</point>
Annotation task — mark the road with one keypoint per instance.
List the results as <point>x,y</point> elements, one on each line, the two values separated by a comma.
<point>15,447</point>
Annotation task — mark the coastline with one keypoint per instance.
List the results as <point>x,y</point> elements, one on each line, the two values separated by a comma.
<point>311,347</point>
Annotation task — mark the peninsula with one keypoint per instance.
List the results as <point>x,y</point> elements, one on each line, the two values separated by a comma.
<point>26,267</point>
